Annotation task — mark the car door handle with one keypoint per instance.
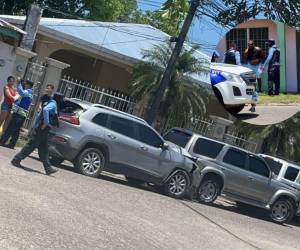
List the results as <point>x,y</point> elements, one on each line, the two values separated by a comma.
<point>111,136</point>
<point>144,148</point>
<point>250,178</point>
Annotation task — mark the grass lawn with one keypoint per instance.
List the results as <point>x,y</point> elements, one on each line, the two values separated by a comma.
<point>279,99</point>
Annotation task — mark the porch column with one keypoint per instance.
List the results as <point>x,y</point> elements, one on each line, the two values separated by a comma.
<point>282,46</point>
<point>220,126</point>
<point>22,58</point>
<point>53,72</point>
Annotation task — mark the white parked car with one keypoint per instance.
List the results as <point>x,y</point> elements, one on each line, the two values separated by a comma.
<point>233,85</point>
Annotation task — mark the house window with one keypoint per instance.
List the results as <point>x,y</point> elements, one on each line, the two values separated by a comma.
<point>242,36</point>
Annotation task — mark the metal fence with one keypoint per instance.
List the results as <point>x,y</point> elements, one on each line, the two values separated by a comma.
<point>35,72</point>
<point>73,88</point>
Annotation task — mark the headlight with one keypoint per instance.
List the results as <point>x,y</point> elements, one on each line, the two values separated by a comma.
<point>232,77</point>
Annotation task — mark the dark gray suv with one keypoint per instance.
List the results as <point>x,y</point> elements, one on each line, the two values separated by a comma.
<point>96,138</point>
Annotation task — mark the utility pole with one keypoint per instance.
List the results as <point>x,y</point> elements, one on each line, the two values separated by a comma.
<point>172,62</point>
<point>31,26</point>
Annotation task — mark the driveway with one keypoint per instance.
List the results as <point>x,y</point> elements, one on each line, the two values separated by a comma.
<point>71,211</point>
<point>268,114</point>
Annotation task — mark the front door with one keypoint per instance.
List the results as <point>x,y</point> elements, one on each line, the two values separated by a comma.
<point>236,174</point>
<point>152,160</point>
<point>258,186</point>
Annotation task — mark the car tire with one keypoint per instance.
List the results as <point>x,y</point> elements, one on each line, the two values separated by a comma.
<point>134,182</point>
<point>55,161</point>
<point>282,211</point>
<point>90,162</point>
<point>235,109</point>
<point>209,190</point>
<point>177,185</point>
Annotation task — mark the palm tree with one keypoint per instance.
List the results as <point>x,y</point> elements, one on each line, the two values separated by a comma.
<point>281,139</point>
<point>184,98</point>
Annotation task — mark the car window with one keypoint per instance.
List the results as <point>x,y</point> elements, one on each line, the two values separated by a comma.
<point>70,108</point>
<point>207,148</point>
<point>258,166</point>
<point>291,173</point>
<point>274,165</point>
<point>101,119</point>
<point>148,136</point>
<point>235,158</point>
<point>122,126</point>
<point>178,137</point>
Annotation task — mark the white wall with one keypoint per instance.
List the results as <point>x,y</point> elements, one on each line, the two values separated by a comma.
<point>7,53</point>
<point>291,59</point>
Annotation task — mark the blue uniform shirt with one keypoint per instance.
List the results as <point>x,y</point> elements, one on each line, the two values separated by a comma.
<point>26,97</point>
<point>49,108</point>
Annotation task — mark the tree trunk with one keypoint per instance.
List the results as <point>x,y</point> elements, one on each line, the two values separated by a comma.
<point>172,62</point>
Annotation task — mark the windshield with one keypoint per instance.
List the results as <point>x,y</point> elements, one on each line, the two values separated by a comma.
<point>178,137</point>
<point>274,165</point>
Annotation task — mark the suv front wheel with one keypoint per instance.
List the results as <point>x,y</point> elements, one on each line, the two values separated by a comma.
<point>209,190</point>
<point>90,162</point>
<point>282,211</point>
<point>177,185</point>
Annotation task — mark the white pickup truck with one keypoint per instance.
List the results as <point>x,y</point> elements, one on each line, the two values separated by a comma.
<point>234,86</point>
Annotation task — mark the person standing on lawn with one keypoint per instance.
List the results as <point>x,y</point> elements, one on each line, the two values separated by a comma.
<point>7,104</point>
<point>20,112</point>
<point>273,62</point>
<point>46,118</point>
<point>254,56</point>
<point>232,56</point>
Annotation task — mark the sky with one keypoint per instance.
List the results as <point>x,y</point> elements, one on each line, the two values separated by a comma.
<point>204,31</point>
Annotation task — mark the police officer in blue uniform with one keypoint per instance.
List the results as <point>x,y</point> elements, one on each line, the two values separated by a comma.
<point>39,137</point>
<point>273,62</point>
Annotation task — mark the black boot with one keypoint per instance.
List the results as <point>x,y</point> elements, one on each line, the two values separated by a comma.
<point>17,163</point>
<point>50,170</point>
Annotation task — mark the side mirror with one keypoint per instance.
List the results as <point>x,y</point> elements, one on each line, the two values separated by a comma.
<point>165,146</point>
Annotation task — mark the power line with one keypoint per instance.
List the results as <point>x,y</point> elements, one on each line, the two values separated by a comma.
<point>150,3</point>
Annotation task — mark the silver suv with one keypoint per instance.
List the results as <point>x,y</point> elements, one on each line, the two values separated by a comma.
<point>96,138</point>
<point>286,171</point>
<point>237,174</point>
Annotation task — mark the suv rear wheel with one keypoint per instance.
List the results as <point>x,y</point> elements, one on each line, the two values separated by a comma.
<point>209,190</point>
<point>177,185</point>
<point>90,162</point>
<point>282,211</point>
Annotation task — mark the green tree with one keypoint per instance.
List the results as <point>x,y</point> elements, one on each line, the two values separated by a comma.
<point>233,12</point>
<point>184,98</point>
<point>102,10</point>
<point>168,18</point>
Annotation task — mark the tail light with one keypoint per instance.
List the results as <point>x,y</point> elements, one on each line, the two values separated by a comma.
<point>70,119</point>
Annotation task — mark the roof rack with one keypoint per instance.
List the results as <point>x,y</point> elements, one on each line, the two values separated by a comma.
<point>118,111</point>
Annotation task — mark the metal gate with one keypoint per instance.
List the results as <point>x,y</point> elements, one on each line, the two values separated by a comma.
<point>35,72</point>
<point>86,91</point>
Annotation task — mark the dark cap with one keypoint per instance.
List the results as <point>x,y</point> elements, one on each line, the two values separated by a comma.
<point>270,42</point>
<point>30,83</point>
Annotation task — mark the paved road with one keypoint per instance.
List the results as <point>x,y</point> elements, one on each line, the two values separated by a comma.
<point>71,211</point>
<point>265,115</point>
